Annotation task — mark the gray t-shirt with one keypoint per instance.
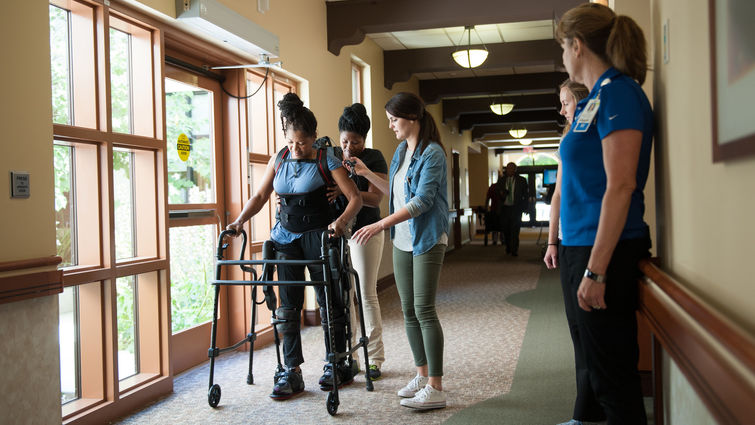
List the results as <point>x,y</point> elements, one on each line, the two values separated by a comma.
<point>402,238</point>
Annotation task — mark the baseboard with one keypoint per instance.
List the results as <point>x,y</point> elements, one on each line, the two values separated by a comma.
<point>385,282</point>
<point>311,317</point>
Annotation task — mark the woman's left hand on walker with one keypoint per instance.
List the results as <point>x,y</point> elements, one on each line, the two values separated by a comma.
<point>337,227</point>
<point>591,295</point>
<point>366,233</point>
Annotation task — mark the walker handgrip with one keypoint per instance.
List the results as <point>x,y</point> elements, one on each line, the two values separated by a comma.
<point>222,246</point>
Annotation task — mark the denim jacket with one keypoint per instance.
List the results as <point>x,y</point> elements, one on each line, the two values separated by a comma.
<point>426,194</point>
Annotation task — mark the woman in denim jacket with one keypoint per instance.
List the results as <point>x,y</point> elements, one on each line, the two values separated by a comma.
<point>419,229</point>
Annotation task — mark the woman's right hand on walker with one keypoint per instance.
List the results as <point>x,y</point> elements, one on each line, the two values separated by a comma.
<point>358,168</point>
<point>236,227</point>
<point>551,257</point>
<point>366,233</point>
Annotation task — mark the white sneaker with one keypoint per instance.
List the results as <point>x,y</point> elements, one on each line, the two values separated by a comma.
<point>413,386</point>
<point>426,398</point>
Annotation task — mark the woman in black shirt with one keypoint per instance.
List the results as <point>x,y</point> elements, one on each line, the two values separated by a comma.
<point>353,127</point>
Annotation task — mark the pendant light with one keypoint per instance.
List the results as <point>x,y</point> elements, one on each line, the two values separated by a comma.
<point>501,108</point>
<point>469,57</point>
<point>518,133</point>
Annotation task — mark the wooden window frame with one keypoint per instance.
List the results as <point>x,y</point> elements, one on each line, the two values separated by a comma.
<point>359,80</point>
<point>91,135</point>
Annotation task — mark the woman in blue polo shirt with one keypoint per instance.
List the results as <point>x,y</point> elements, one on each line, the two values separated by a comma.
<point>419,229</point>
<point>605,159</point>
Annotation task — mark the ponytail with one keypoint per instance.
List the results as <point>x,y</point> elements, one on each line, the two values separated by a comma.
<point>617,40</point>
<point>625,48</point>
<point>428,132</point>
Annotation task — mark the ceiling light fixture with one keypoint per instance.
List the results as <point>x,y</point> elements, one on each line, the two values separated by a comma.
<point>501,108</point>
<point>518,133</point>
<point>469,57</point>
<point>525,142</point>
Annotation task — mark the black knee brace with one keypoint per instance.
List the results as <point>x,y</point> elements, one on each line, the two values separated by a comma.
<point>268,253</point>
<point>288,320</point>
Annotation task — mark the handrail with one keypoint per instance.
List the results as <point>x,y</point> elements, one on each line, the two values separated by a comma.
<point>30,263</point>
<point>716,355</point>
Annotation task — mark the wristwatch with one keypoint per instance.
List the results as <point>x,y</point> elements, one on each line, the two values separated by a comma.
<point>600,278</point>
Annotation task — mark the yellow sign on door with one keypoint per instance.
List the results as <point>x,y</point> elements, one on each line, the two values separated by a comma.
<point>183,146</point>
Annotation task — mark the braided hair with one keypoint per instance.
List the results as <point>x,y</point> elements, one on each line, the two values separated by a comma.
<point>296,116</point>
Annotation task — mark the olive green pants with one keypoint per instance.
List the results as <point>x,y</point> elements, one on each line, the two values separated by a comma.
<point>417,283</point>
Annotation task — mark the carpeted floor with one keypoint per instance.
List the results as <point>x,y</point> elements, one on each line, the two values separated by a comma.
<point>543,390</point>
<point>484,323</point>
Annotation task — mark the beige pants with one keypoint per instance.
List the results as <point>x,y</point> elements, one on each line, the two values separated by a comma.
<point>366,261</point>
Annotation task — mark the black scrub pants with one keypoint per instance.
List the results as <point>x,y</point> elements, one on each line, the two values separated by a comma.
<point>605,341</point>
<point>308,247</point>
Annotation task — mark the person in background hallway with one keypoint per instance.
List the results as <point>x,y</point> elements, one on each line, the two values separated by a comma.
<point>419,228</point>
<point>605,159</point>
<point>297,236</point>
<point>569,94</point>
<point>353,127</point>
<point>493,207</point>
<point>515,200</point>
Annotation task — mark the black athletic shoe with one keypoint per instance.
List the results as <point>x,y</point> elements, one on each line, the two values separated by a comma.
<point>287,384</point>
<point>345,376</point>
<point>374,372</point>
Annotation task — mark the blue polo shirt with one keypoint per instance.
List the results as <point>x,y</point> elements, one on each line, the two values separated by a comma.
<point>623,105</point>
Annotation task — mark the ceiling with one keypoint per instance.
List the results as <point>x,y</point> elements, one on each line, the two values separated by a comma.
<point>523,66</point>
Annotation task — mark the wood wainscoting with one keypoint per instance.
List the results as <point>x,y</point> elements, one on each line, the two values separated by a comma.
<point>716,355</point>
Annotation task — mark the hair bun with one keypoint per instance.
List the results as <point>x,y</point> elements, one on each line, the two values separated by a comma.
<point>290,105</point>
<point>355,119</point>
<point>356,108</point>
<point>293,99</point>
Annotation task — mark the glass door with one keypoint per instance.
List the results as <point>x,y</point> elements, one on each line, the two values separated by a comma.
<point>195,204</point>
<point>541,181</point>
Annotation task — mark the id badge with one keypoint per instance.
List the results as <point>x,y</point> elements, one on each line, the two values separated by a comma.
<point>587,115</point>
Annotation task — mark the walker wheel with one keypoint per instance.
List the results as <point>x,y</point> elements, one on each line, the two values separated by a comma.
<point>213,396</point>
<point>332,404</point>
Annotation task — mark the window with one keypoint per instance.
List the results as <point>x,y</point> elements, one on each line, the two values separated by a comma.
<point>60,42</point>
<point>76,165</point>
<point>109,222</point>
<point>65,234</point>
<point>356,83</point>
<point>189,113</point>
<point>72,64</point>
<point>68,329</point>
<point>123,194</point>
<point>131,74</point>
<point>194,173</point>
<point>191,269</point>
<point>128,342</point>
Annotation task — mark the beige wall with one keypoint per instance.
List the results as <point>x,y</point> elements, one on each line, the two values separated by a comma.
<point>639,10</point>
<point>479,174</point>
<point>704,209</point>
<point>29,358</point>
